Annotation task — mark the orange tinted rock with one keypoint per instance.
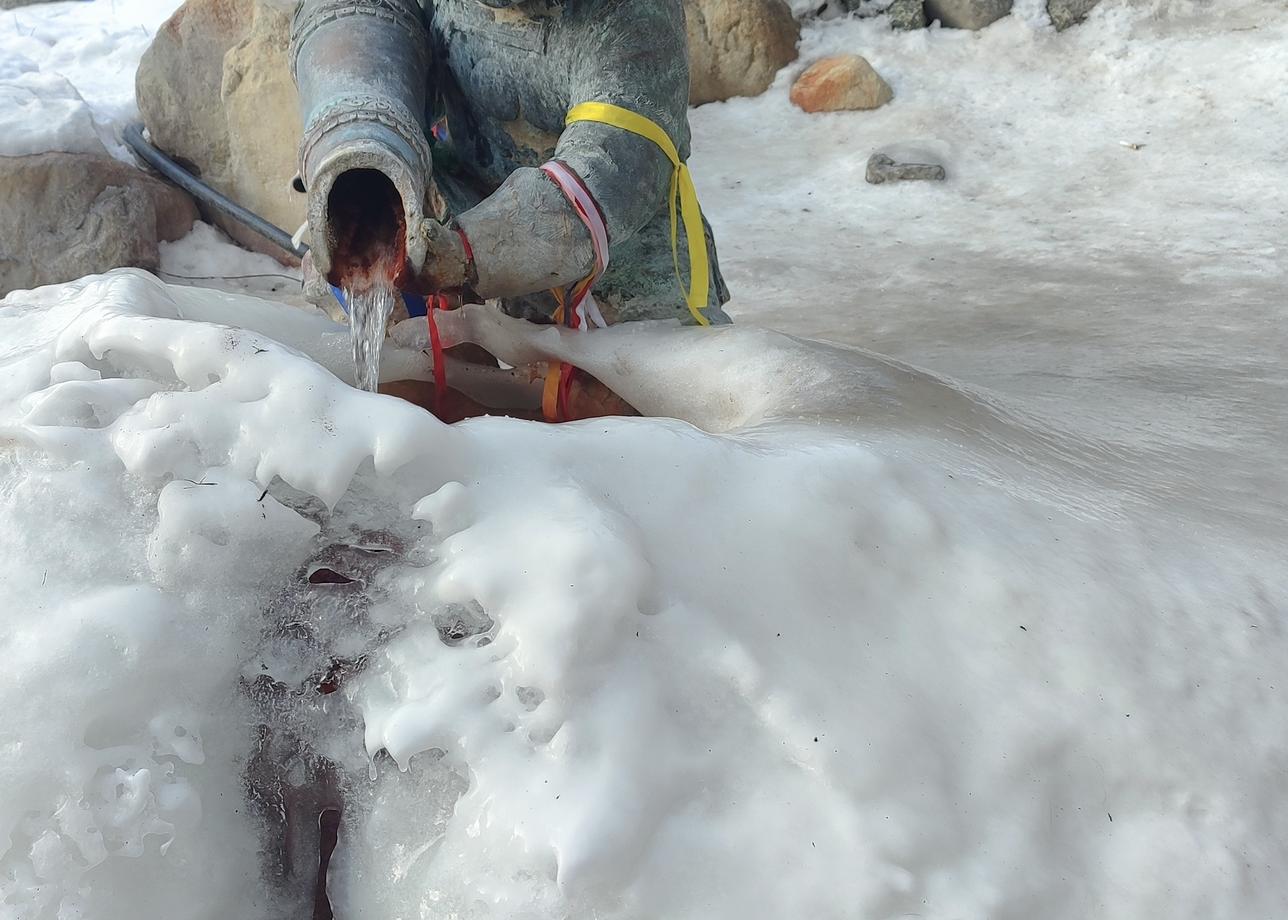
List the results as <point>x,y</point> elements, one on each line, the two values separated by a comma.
<point>842,83</point>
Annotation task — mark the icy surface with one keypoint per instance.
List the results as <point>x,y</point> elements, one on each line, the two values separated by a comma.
<point>854,639</point>
<point>874,646</point>
<point>1134,294</point>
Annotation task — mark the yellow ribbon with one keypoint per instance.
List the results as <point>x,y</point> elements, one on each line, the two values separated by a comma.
<point>682,194</point>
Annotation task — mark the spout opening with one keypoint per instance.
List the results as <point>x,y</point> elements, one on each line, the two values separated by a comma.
<point>368,226</point>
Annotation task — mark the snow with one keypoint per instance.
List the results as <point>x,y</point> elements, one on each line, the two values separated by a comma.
<point>67,73</point>
<point>207,258</point>
<point>42,112</point>
<point>1133,296</point>
<point>982,618</point>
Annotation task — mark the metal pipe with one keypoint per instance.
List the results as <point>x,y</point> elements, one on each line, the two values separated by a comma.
<point>361,68</point>
<point>197,189</point>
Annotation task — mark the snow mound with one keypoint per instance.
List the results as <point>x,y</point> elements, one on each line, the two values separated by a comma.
<point>850,641</point>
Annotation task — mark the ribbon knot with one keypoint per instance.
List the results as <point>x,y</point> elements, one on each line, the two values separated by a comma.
<point>683,197</point>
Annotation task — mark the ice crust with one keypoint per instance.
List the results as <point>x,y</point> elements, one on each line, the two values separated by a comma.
<point>849,640</point>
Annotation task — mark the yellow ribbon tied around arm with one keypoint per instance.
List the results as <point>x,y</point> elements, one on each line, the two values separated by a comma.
<point>683,196</point>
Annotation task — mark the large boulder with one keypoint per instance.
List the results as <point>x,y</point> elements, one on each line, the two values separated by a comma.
<point>64,215</point>
<point>215,91</point>
<point>967,14</point>
<point>736,47</point>
<point>842,83</point>
<point>1065,13</point>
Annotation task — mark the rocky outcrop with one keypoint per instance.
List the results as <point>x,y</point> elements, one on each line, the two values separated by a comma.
<point>845,82</point>
<point>215,91</point>
<point>882,169</point>
<point>967,14</point>
<point>736,47</point>
<point>1065,13</point>
<point>64,215</point>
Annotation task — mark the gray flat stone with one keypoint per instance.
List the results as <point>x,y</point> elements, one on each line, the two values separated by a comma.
<point>882,168</point>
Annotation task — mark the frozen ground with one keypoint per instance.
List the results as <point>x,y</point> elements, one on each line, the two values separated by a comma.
<point>1133,296</point>
<point>1000,638</point>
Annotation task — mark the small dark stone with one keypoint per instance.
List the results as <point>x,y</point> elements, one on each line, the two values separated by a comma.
<point>1065,13</point>
<point>967,14</point>
<point>907,15</point>
<point>883,169</point>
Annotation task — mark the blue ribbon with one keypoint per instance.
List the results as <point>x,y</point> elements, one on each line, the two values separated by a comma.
<point>415,305</point>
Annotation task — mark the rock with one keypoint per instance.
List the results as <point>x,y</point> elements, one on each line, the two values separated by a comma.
<point>264,127</point>
<point>14,4</point>
<point>882,168</point>
<point>737,47</point>
<point>967,14</point>
<point>902,14</point>
<point>1065,13</point>
<point>215,91</point>
<point>906,15</point>
<point>845,82</point>
<point>64,215</point>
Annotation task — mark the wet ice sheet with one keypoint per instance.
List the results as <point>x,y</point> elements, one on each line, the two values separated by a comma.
<point>876,647</point>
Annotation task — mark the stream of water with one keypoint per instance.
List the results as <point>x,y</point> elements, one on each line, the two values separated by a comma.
<point>369,310</point>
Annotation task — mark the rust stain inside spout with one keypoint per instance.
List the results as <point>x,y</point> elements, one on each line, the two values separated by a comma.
<point>368,230</point>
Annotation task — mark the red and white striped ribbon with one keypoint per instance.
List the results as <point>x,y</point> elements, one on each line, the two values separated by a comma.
<point>584,312</point>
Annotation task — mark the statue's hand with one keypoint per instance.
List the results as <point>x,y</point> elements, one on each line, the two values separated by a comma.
<point>447,265</point>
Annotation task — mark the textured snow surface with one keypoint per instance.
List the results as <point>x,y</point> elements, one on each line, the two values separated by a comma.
<point>845,638</point>
<point>867,645</point>
<point>1136,295</point>
<point>67,73</point>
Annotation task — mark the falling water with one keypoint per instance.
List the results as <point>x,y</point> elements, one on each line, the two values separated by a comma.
<point>369,310</point>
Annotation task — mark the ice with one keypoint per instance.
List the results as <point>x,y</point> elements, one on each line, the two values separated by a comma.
<point>979,613</point>
<point>869,643</point>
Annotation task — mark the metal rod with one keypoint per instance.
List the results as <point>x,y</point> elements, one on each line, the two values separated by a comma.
<point>200,190</point>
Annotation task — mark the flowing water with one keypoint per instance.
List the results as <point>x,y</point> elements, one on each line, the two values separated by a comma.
<point>369,310</point>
